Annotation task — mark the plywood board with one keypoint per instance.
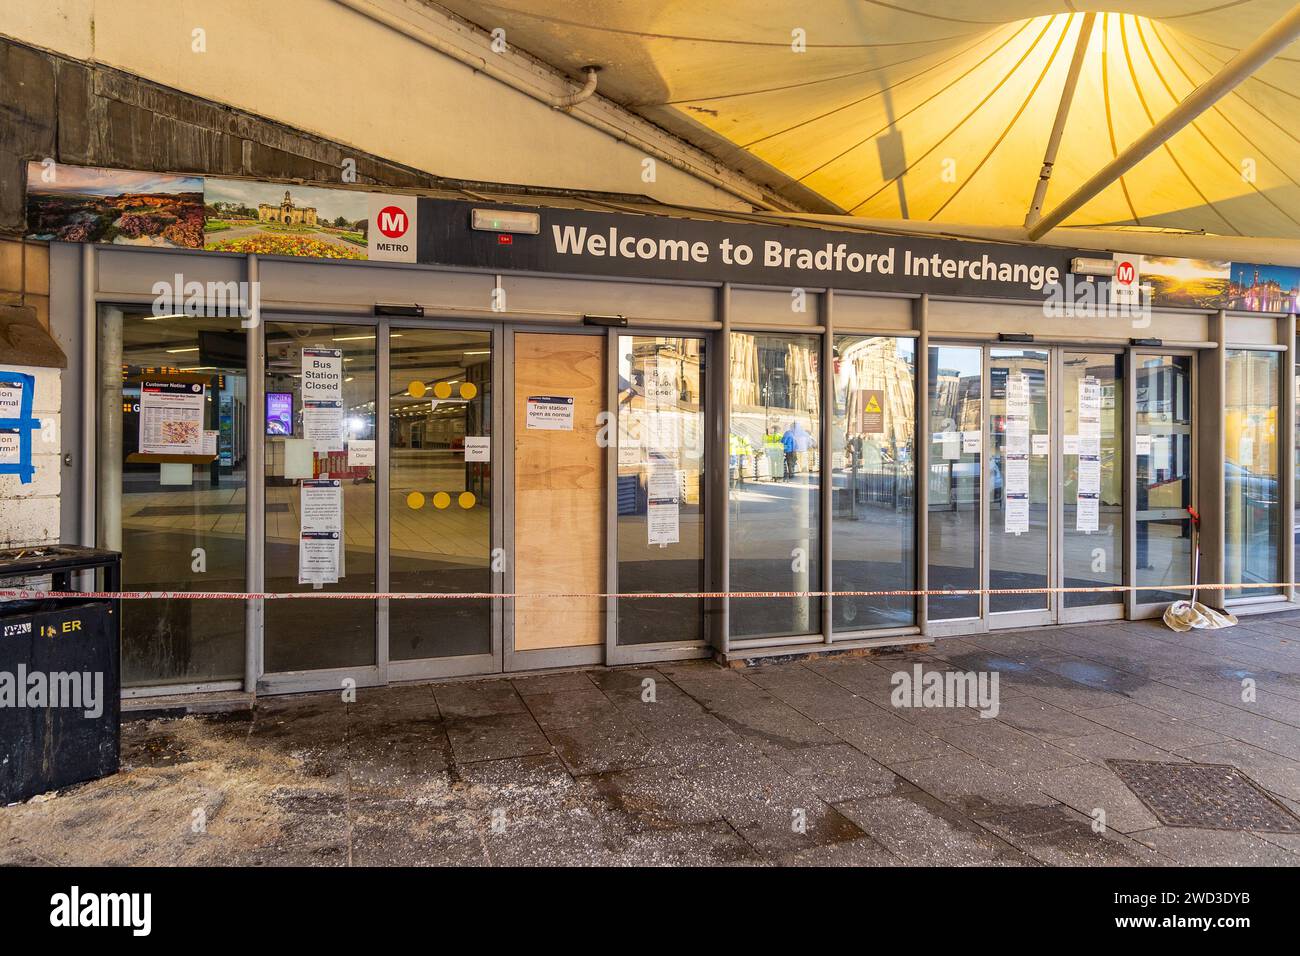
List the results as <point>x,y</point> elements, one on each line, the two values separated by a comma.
<point>559,493</point>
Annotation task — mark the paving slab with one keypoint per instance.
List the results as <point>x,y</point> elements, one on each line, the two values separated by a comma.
<point>1191,847</point>
<point>1061,836</point>
<point>1153,727</point>
<point>888,739</point>
<point>602,744</point>
<point>1091,788</point>
<point>969,785</point>
<point>923,831</point>
<point>494,737</point>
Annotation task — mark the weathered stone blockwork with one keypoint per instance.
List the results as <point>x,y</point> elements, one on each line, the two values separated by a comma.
<point>91,115</point>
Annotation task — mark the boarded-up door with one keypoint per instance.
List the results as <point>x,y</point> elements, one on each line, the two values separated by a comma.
<point>559,536</point>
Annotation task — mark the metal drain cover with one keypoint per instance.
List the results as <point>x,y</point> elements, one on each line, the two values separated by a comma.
<point>1207,795</point>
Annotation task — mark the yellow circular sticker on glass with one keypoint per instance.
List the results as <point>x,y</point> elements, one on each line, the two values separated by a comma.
<point>467,499</point>
<point>415,501</point>
<point>442,390</point>
<point>441,500</point>
<point>416,389</point>
<point>468,390</point>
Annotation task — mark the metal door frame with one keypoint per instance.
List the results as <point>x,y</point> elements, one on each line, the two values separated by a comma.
<point>1097,612</point>
<point>428,668</point>
<point>1134,608</point>
<point>1011,620</point>
<point>548,657</point>
<point>616,653</point>
<point>952,627</point>
<point>329,678</point>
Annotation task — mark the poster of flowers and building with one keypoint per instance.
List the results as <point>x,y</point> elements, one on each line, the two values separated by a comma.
<point>275,219</point>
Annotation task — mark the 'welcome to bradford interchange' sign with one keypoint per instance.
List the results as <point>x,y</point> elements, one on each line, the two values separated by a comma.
<point>100,205</point>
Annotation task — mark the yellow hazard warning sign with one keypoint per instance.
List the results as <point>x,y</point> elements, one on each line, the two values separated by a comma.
<point>873,411</point>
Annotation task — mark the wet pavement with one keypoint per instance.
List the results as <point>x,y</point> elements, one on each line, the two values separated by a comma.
<point>802,763</point>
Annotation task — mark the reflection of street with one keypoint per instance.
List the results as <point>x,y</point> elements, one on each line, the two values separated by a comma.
<point>774,547</point>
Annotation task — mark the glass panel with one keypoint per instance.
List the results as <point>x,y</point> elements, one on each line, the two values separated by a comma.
<point>956,429</point>
<point>439,501</point>
<point>1252,525</point>
<point>1094,558</point>
<point>660,487</point>
<point>872,471</point>
<point>774,468</point>
<point>306,635</point>
<point>1296,511</point>
<point>1164,475</point>
<point>179,523</point>
<point>1019,550</point>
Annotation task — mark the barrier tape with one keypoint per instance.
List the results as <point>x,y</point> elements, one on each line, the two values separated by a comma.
<point>21,594</point>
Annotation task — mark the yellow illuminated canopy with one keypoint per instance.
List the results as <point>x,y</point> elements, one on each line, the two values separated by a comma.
<point>941,111</point>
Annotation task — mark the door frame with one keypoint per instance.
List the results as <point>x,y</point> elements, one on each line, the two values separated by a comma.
<point>1136,610</point>
<point>1116,610</point>
<point>956,626</point>
<point>463,665</point>
<point>615,653</point>
<point>384,670</point>
<point>1011,620</point>
<point>1056,612</point>
<point>548,657</point>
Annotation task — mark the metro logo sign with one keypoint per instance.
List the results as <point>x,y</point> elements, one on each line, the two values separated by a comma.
<point>392,228</point>
<point>1126,283</point>
<point>392,222</point>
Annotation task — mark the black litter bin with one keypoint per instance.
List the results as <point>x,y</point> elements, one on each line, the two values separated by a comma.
<point>60,686</point>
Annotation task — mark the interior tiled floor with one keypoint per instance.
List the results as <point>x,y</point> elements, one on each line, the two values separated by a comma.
<point>803,762</point>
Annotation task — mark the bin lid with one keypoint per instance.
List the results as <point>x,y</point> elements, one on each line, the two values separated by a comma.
<point>43,559</point>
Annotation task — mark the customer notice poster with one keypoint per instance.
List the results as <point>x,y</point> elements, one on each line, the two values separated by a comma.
<point>320,539</point>
<point>1016,470</point>
<point>322,398</point>
<point>1087,497</point>
<point>171,417</point>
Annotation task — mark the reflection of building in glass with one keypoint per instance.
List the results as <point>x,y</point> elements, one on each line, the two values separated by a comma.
<point>957,400</point>
<point>774,372</point>
<point>677,361</point>
<point>876,364</point>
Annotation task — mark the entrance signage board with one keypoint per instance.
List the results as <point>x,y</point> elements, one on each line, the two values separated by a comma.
<point>671,247</point>
<point>331,222</point>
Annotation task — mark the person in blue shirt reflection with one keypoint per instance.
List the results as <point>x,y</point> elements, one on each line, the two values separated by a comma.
<point>795,441</point>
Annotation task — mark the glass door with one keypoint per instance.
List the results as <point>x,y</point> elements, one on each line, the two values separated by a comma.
<point>320,509</point>
<point>1165,451</point>
<point>1092,486</point>
<point>172,488</point>
<point>660,526</point>
<point>1018,490</point>
<point>440,475</point>
<point>956,384</point>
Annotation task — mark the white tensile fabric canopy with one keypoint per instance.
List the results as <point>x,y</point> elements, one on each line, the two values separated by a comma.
<point>941,111</point>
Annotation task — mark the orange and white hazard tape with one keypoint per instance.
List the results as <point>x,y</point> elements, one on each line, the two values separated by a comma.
<point>26,594</point>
